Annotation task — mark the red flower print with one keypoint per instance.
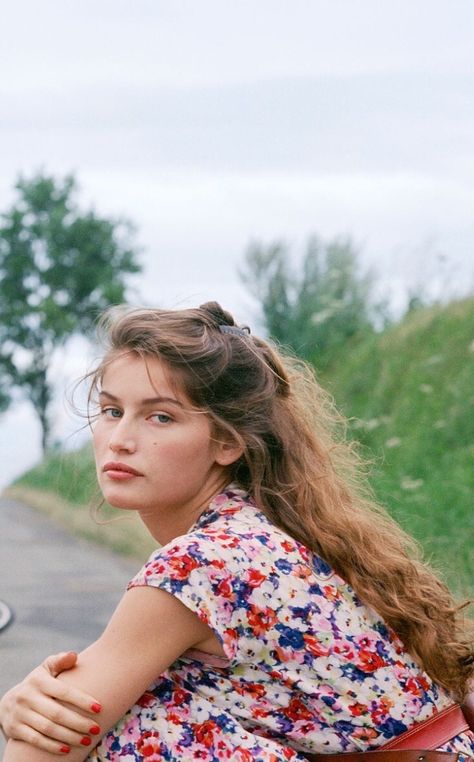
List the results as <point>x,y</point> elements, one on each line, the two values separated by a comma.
<point>296,710</point>
<point>182,566</point>
<point>415,686</point>
<point>230,542</point>
<point>255,690</point>
<point>224,589</point>
<point>364,734</point>
<point>261,620</point>
<point>314,646</point>
<point>287,545</point>
<point>365,641</point>
<point>230,510</point>
<point>331,593</point>
<point>357,709</point>
<point>243,755</point>
<point>411,686</point>
<point>255,578</point>
<point>180,697</point>
<point>204,733</point>
<point>381,710</point>
<point>149,746</point>
<point>345,649</point>
<point>283,655</point>
<point>147,699</point>
<point>230,637</point>
<point>369,661</point>
<point>276,675</point>
<point>302,571</point>
<point>422,682</point>
<point>217,563</point>
<point>204,616</point>
<point>307,728</point>
<point>258,711</point>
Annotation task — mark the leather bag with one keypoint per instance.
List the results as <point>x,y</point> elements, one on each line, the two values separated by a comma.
<point>409,755</point>
<point>419,743</point>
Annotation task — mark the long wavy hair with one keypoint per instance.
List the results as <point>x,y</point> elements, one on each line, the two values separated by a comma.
<point>301,470</point>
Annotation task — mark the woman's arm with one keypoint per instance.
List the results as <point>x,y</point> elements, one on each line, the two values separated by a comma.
<point>28,711</point>
<point>148,631</point>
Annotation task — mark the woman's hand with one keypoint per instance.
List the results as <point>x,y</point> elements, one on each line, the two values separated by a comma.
<point>148,631</point>
<point>34,710</point>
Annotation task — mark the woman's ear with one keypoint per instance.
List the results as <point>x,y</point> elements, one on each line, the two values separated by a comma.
<point>228,450</point>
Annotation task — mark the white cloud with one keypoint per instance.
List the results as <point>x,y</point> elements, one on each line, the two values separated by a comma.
<point>180,41</point>
<point>213,123</point>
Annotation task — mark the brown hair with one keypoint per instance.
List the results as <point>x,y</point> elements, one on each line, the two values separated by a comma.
<point>301,471</point>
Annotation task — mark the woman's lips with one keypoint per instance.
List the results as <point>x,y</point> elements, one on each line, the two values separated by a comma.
<point>120,471</point>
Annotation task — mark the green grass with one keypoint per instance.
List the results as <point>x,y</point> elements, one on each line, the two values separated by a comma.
<point>69,475</point>
<point>409,394</point>
<point>64,486</point>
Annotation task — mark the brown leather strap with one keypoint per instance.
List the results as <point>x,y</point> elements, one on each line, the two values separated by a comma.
<point>468,709</point>
<point>432,732</point>
<point>388,756</point>
<point>416,743</point>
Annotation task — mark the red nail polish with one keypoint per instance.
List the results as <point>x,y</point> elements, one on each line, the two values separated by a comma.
<point>95,730</point>
<point>65,749</point>
<point>86,741</point>
<point>96,708</point>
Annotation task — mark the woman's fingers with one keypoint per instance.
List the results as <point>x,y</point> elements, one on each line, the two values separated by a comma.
<point>57,732</point>
<point>36,739</point>
<point>46,706</point>
<point>49,728</point>
<point>57,721</point>
<point>57,663</point>
<point>46,685</point>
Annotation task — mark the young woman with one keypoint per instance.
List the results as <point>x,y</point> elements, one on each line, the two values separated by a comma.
<point>284,613</point>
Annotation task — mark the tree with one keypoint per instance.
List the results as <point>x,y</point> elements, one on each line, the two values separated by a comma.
<point>59,268</point>
<point>314,311</point>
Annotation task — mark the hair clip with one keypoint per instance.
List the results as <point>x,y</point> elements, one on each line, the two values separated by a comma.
<point>233,329</point>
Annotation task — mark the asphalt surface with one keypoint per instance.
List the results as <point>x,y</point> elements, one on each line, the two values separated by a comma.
<point>60,589</point>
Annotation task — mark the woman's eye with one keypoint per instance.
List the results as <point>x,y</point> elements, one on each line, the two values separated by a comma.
<point>161,418</point>
<point>111,412</point>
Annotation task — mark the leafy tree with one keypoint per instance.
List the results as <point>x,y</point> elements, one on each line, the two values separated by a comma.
<point>316,310</point>
<point>59,268</point>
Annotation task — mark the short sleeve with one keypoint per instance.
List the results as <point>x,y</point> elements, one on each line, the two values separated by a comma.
<point>193,569</point>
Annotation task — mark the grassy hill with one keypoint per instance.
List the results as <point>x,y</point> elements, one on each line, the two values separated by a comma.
<point>409,395</point>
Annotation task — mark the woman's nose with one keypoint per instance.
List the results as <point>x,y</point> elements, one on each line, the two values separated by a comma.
<point>122,439</point>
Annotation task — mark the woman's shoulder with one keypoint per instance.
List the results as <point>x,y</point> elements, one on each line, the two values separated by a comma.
<point>234,541</point>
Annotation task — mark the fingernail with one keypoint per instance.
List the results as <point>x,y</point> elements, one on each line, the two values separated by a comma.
<point>95,730</point>
<point>86,741</point>
<point>96,708</point>
<point>65,749</point>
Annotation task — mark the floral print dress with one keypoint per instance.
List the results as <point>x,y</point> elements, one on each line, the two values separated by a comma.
<point>309,667</point>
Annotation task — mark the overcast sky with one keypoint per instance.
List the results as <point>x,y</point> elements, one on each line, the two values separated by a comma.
<point>214,123</point>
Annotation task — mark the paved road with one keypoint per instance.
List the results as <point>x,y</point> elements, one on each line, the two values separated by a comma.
<point>62,590</point>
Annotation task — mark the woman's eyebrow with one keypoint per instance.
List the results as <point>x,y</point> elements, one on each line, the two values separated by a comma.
<point>148,401</point>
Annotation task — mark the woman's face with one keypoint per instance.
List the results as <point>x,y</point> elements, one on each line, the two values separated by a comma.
<point>153,452</point>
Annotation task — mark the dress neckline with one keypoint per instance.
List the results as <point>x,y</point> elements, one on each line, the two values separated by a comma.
<point>230,500</point>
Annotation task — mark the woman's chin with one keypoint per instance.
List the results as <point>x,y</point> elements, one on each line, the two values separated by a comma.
<point>120,502</point>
